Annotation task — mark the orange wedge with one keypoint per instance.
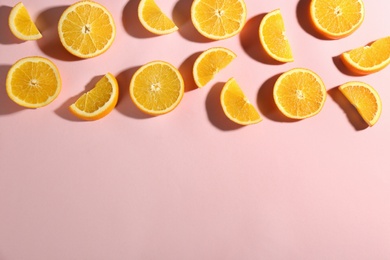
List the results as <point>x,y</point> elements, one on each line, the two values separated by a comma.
<point>209,63</point>
<point>153,19</point>
<point>21,24</point>
<point>33,82</point>
<point>368,59</point>
<point>336,19</point>
<point>273,37</point>
<point>99,101</point>
<point>365,99</point>
<point>218,19</point>
<point>236,105</point>
<point>86,29</point>
<point>299,93</point>
<point>157,88</point>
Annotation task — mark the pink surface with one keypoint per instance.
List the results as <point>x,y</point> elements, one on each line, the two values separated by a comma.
<point>190,184</point>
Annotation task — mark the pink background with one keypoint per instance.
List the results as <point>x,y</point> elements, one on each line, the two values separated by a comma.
<point>190,184</point>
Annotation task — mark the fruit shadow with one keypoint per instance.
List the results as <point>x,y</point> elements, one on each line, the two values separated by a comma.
<point>6,36</point>
<point>7,105</point>
<point>186,71</point>
<point>304,20</point>
<point>215,112</point>
<point>350,111</point>
<point>50,44</point>
<point>342,68</point>
<point>132,24</point>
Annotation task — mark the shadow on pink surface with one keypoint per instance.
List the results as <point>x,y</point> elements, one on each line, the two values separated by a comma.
<point>304,20</point>
<point>186,71</point>
<point>7,105</point>
<point>6,36</point>
<point>342,68</point>
<point>131,22</point>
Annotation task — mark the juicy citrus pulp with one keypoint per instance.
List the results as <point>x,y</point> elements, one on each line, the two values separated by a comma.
<point>273,38</point>
<point>99,101</point>
<point>209,63</point>
<point>299,93</point>
<point>365,99</point>
<point>236,105</point>
<point>218,19</point>
<point>157,88</point>
<point>33,82</point>
<point>86,29</point>
<point>21,24</point>
<point>153,19</point>
<point>335,19</point>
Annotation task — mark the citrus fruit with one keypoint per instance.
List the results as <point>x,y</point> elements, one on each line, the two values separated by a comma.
<point>99,101</point>
<point>273,37</point>
<point>157,88</point>
<point>33,82</point>
<point>21,24</point>
<point>153,19</point>
<point>209,63</point>
<point>218,19</point>
<point>368,59</point>
<point>299,93</point>
<point>336,19</point>
<point>365,99</point>
<point>236,105</point>
<point>86,29</point>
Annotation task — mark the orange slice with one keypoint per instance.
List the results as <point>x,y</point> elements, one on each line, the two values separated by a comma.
<point>335,19</point>
<point>273,37</point>
<point>368,59</point>
<point>157,88</point>
<point>33,82</point>
<point>236,105</point>
<point>21,24</point>
<point>99,101</point>
<point>365,99</point>
<point>218,19</point>
<point>209,63</point>
<point>86,29</point>
<point>299,93</point>
<point>153,19</point>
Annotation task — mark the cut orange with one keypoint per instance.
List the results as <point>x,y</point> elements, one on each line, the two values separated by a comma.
<point>99,101</point>
<point>33,82</point>
<point>218,19</point>
<point>365,99</point>
<point>86,29</point>
<point>368,59</point>
<point>21,24</point>
<point>336,19</point>
<point>273,38</point>
<point>157,88</point>
<point>153,19</point>
<point>209,63</point>
<point>236,105</point>
<point>299,93</point>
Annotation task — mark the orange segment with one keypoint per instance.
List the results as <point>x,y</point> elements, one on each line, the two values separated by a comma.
<point>273,37</point>
<point>368,59</point>
<point>86,29</point>
<point>299,93</point>
<point>209,63</point>
<point>365,99</point>
<point>33,82</point>
<point>99,101</point>
<point>157,88</point>
<point>335,19</point>
<point>218,19</point>
<point>236,105</point>
<point>21,24</point>
<point>153,19</point>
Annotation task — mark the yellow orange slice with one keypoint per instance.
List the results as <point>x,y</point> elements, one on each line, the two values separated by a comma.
<point>153,19</point>
<point>21,24</point>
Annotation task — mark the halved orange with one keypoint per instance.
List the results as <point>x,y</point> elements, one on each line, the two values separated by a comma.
<point>336,19</point>
<point>368,59</point>
<point>99,101</point>
<point>209,63</point>
<point>33,82</point>
<point>153,19</point>
<point>218,19</point>
<point>21,24</point>
<point>236,105</point>
<point>86,29</point>
<point>157,88</point>
<point>273,38</point>
<point>299,93</point>
<point>365,99</point>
